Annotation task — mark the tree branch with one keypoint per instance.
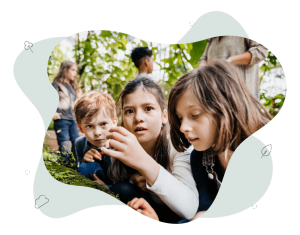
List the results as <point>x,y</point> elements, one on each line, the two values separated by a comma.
<point>181,57</point>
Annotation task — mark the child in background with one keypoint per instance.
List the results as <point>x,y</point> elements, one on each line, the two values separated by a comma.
<point>143,60</point>
<point>95,114</point>
<point>64,119</point>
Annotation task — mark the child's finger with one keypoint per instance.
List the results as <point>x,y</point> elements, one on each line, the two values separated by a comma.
<point>116,136</point>
<point>95,177</point>
<point>140,203</point>
<point>146,213</point>
<point>131,203</point>
<point>139,210</point>
<point>112,153</point>
<point>97,156</point>
<point>120,130</point>
<point>92,152</point>
<point>88,159</point>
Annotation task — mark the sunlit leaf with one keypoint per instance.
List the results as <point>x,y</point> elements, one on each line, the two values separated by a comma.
<point>105,33</point>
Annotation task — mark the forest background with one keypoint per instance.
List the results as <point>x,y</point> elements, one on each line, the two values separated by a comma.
<point>104,64</point>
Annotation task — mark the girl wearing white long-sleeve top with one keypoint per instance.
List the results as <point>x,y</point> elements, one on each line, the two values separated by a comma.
<point>162,175</point>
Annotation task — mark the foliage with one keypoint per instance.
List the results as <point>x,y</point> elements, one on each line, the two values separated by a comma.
<point>104,61</point>
<point>67,172</point>
<point>51,125</point>
<point>55,59</point>
<point>273,104</point>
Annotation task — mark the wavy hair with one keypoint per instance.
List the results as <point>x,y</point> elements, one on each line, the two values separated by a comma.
<point>225,97</point>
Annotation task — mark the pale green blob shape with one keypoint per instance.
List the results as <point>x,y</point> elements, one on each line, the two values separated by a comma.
<point>247,177</point>
<point>211,25</point>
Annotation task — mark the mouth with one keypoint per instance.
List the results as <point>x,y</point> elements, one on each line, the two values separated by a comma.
<point>140,130</point>
<point>192,139</point>
<point>99,140</point>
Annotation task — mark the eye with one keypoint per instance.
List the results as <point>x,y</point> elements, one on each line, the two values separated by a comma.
<point>148,108</point>
<point>128,111</point>
<point>103,124</point>
<point>195,115</point>
<point>89,126</point>
<point>180,119</point>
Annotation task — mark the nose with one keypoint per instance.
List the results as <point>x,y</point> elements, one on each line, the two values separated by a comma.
<point>139,117</point>
<point>185,127</point>
<point>97,131</point>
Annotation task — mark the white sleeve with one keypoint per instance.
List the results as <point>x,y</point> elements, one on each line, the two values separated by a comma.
<point>178,189</point>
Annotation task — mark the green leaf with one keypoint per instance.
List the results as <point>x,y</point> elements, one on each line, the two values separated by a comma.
<point>196,52</point>
<point>144,43</point>
<point>105,33</point>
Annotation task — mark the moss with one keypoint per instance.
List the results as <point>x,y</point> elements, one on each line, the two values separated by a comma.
<point>67,172</point>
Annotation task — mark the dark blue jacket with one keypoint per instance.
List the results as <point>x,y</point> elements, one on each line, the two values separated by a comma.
<point>205,186</point>
<point>82,146</point>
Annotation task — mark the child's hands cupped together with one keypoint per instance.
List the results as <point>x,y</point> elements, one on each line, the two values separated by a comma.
<point>91,154</point>
<point>129,150</point>
<point>142,206</point>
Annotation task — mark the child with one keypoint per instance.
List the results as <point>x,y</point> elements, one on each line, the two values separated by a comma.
<point>95,114</point>
<point>64,118</point>
<point>212,109</point>
<point>164,179</point>
<point>143,60</point>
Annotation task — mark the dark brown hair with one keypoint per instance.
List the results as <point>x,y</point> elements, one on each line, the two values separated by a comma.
<point>225,97</point>
<point>62,74</point>
<point>89,105</point>
<point>160,150</point>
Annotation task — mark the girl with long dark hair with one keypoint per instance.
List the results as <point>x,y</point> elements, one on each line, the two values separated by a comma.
<point>64,119</point>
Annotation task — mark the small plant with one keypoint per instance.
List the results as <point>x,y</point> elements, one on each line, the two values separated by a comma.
<point>51,125</point>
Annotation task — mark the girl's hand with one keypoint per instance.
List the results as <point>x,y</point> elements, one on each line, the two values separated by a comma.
<point>129,151</point>
<point>142,206</point>
<point>91,154</point>
<point>57,116</point>
<point>139,181</point>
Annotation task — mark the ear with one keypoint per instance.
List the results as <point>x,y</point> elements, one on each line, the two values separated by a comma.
<point>164,116</point>
<point>147,61</point>
<point>79,127</point>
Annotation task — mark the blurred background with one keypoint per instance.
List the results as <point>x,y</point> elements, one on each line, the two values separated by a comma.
<point>104,64</point>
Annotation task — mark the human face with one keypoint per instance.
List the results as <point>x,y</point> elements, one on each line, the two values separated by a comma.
<point>98,128</point>
<point>143,117</point>
<point>72,72</point>
<point>196,125</point>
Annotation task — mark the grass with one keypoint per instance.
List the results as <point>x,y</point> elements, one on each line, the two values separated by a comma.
<point>67,172</point>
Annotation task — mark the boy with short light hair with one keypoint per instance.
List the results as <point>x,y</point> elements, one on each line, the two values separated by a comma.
<point>95,114</point>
